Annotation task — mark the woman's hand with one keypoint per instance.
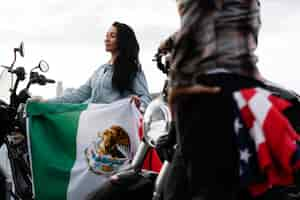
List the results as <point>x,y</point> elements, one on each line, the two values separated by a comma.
<point>36,99</point>
<point>136,100</point>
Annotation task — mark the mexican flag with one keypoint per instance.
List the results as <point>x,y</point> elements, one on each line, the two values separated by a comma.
<point>75,147</point>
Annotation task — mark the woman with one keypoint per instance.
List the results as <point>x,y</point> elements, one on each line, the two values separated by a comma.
<point>119,78</point>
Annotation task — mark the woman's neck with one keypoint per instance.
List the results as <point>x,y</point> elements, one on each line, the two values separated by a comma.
<point>113,58</point>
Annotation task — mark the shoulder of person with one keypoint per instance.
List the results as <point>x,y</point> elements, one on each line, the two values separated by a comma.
<point>101,67</point>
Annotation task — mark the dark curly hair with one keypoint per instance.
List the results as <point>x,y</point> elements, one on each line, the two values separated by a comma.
<point>127,62</point>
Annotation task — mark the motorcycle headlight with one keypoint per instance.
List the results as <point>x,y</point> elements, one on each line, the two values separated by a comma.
<point>157,121</point>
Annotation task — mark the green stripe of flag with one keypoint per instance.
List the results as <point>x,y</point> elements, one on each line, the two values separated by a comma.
<point>53,146</point>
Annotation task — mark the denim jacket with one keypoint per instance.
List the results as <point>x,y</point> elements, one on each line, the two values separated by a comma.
<point>98,89</point>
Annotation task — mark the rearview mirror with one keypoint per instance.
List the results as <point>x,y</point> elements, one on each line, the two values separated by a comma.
<point>43,65</point>
<point>20,49</point>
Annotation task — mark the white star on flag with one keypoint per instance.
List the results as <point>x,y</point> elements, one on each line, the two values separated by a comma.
<point>245,155</point>
<point>237,125</point>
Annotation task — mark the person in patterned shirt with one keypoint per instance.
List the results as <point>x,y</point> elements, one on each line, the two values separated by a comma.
<point>213,56</point>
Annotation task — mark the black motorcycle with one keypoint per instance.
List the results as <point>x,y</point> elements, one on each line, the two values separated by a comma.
<point>13,123</point>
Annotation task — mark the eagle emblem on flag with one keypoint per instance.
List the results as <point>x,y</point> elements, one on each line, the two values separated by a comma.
<point>109,151</point>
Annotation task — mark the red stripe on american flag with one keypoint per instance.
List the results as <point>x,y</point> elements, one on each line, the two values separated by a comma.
<point>279,103</point>
<point>248,93</point>
<point>247,116</point>
<point>279,137</point>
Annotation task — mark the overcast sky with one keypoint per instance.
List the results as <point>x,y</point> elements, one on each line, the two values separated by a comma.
<point>69,35</point>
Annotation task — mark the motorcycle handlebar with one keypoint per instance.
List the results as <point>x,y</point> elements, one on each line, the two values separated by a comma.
<point>50,81</point>
<point>164,67</point>
<point>46,80</point>
<point>42,80</point>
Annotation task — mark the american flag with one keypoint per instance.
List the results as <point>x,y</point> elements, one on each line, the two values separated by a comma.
<point>269,146</point>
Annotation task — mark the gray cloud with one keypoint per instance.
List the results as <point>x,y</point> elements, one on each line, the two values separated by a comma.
<point>82,22</point>
<point>78,23</point>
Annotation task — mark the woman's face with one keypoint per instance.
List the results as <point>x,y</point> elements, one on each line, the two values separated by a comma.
<point>111,40</point>
<point>180,7</point>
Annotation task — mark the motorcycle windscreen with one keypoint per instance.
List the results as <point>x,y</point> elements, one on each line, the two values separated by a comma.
<point>6,82</point>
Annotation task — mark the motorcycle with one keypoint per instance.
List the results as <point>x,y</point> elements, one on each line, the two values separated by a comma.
<point>12,120</point>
